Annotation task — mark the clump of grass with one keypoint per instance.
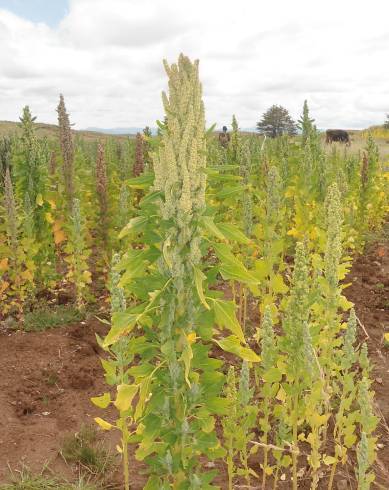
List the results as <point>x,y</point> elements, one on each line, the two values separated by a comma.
<point>46,317</point>
<point>24,479</point>
<point>84,449</point>
<point>51,378</point>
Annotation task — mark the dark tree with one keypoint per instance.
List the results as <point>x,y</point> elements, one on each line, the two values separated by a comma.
<point>276,121</point>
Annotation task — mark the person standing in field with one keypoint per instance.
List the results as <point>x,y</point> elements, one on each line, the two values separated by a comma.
<point>224,137</point>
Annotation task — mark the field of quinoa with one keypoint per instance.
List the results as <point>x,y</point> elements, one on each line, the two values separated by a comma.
<point>188,311</point>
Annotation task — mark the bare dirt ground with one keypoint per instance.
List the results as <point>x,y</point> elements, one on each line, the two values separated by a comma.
<point>47,380</point>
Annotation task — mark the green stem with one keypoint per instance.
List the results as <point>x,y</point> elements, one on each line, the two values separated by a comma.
<point>125,453</point>
<point>244,309</point>
<point>265,449</point>
<point>276,478</point>
<point>295,440</point>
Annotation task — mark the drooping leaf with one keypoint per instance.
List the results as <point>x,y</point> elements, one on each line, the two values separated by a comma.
<point>102,401</point>
<point>125,395</point>
<point>233,345</point>
<point>225,317</point>
<point>199,277</point>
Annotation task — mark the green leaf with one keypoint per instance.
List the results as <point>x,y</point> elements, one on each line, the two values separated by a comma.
<point>272,375</point>
<point>153,483</point>
<point>233,233</point>
<point>231,267</point>
<point>229,192</point>
<point>328,460</point>
<point>207,424</point>
<point>208,224</point>
<point>125,396</point>
<point>217,405</point>
<point>199,278</point>
<point>110,371</point>
<point>186,358</point>
<point>135,225</point>
<point>232,344</point>
<point>225,317</point>
<point>144,181</point>
<point>102,401</point>
<point>278,285</point>
<point>144,393</point>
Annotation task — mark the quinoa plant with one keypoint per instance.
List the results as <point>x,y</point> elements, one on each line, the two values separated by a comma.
<point>11,213</point>
<point>235,142</point>
<point>30,157</point>
<point>230,423</point>
<point>67,150</point>
<point>239,423</point>
<point>102,195</point>
<point>123,207</point>
<point>77,255</point>
<point>366,449</point>
<point>345,418</point>
<point>17,270</point>
<point>139,163</point>
<point>267,370</point>
<point>299,370</point>
<point>247,199</point>
<point>116,369</point>
<point>174,314</point>
<point>305,123</point>
<point>5,158</point>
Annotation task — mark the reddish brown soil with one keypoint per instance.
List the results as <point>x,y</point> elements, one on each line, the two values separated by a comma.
<point>47,379</point>
<point>370,293</point>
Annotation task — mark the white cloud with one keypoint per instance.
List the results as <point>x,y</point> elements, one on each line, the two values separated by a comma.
<point>106,59</point>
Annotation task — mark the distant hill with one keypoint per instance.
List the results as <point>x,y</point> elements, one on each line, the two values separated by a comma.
<point>120,131</point>
<point>51,131</point>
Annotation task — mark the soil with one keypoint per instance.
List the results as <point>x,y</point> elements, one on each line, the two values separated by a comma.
<point>47,380</point>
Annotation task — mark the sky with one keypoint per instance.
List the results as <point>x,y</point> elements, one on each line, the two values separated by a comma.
<point>105,56</point>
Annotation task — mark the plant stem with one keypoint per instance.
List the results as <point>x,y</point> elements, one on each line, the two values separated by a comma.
<point>333,470</point>
<point>276,478</point>
<point>295,441</point>
<point>125,454</point>
<point>230,465</point>
<point>244,309</point>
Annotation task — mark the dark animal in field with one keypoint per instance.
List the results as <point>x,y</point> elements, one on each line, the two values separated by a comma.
<point>339,135</point>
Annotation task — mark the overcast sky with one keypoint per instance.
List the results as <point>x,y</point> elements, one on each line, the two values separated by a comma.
<point>105,56</point>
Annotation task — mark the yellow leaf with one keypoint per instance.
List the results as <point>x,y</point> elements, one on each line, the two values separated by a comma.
<point>102,401</point>
<point>3,286</point>
<point>386,338</point>
<point>49,218</point>
<point>52,204</point>
<point>119,449</point>
<point>39,200</point>
<point>290,192</point>
<point>4,264</point>
<point>103,424</point>
<point>27,275</point>
<point>59,236</point>
<point>87,277</point>
<point>281,395</point>
<point>293,232</point>
<point>125,396</point>
<point>191,337</point>
<point>268,470</point>
<point>328,460</point>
